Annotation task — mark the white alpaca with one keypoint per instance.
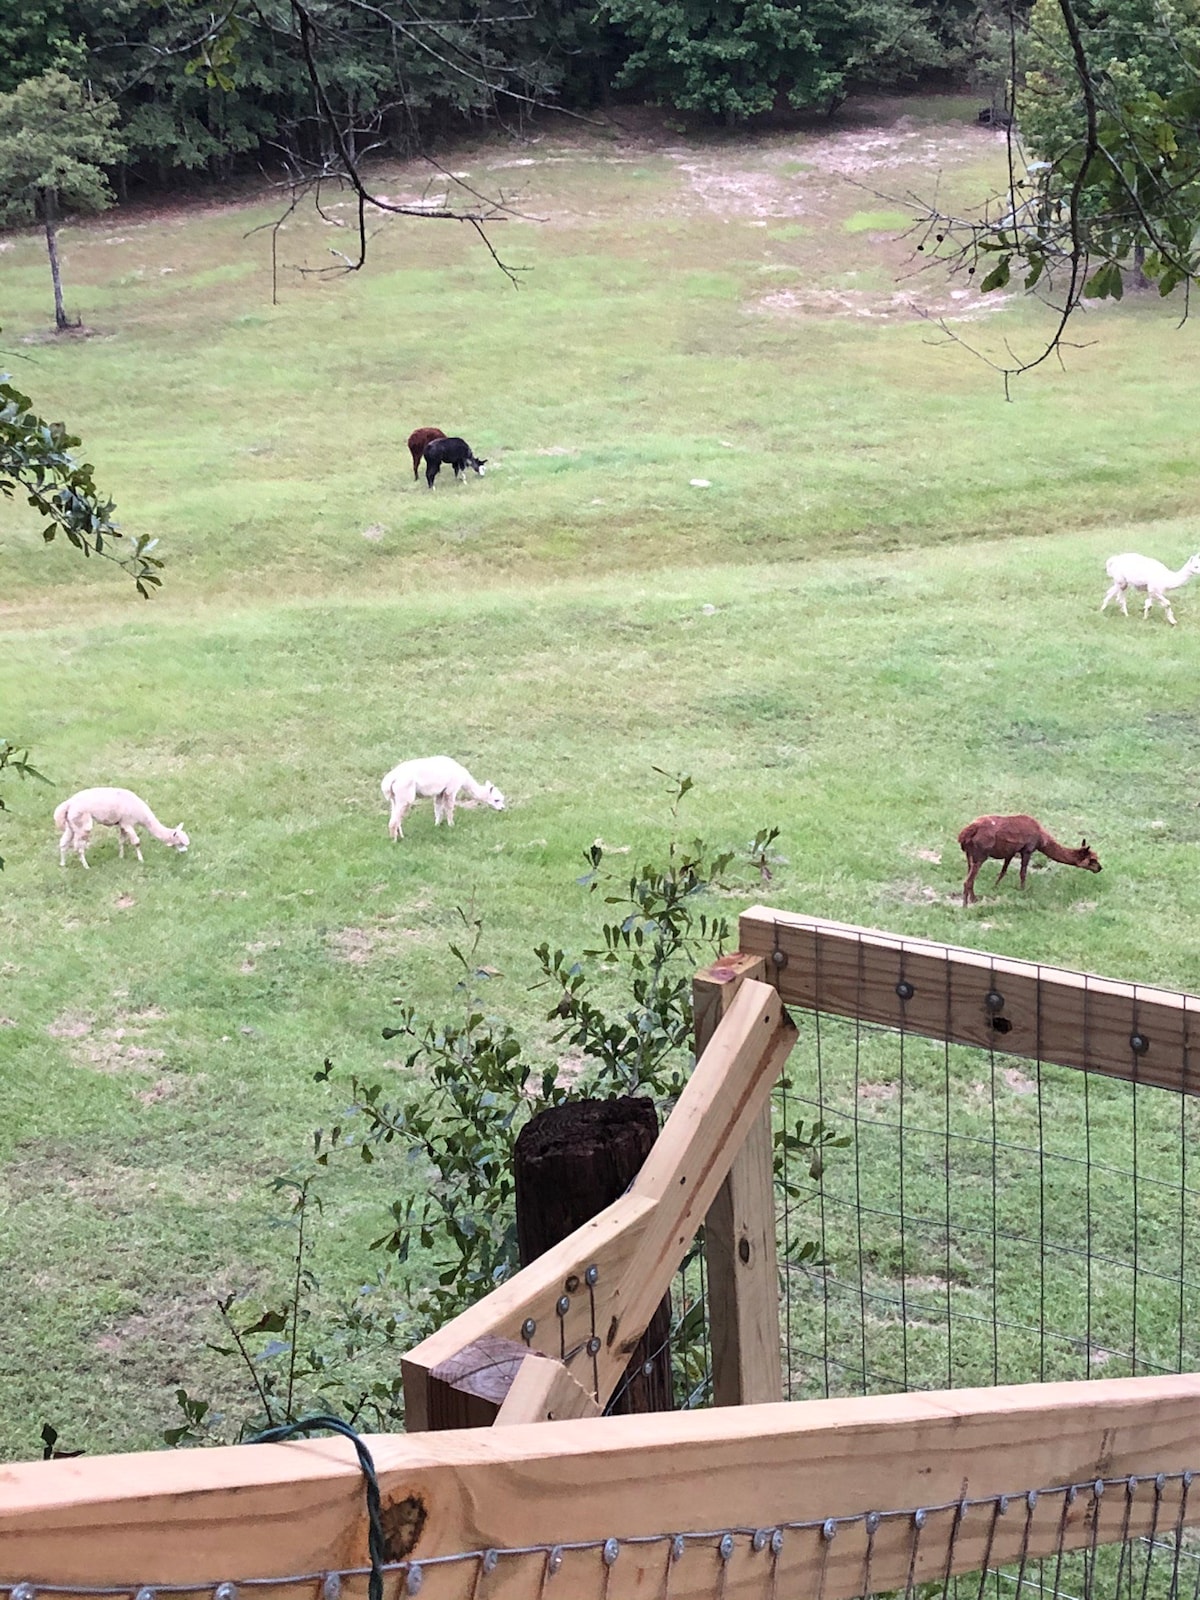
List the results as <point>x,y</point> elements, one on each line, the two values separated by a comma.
<point>1150,576</point>
<point>113,808</point>
<point>440,777</point>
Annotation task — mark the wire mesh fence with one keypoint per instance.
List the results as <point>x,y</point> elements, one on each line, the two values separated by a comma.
<point>992,1219</point>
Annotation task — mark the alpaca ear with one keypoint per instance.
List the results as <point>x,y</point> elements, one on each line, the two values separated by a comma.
<point>1084,845</point>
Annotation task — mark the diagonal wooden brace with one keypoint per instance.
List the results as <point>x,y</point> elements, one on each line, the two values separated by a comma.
<point>587,1301</point>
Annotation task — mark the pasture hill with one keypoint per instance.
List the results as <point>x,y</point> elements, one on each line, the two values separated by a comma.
<point>752,512</point>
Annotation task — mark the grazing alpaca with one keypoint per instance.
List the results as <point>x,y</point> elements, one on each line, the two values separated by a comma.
<point>1002,838</point>
<point>456,453</point>
<point>113,808</point>
<point>1144,573</point>
<point>440,777</point>
<point>417,440</point>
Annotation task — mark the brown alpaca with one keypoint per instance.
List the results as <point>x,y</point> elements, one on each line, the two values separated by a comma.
<point>417,440</point>
<point>1002,838</point>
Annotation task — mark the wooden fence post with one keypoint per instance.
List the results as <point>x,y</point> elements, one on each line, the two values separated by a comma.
<point>571,1161</point>
<point>739,1230</point>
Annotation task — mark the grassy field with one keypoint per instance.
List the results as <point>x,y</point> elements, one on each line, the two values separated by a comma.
<point>880,619</point>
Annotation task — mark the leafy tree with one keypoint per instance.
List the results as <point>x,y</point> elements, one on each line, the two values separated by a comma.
<point>736,58</point>
<point>1139,192</point>
<point>55,140</point>
<point>1111,106</point>
<point>16,760</point>
<point>32,35</point>
<point>36,459</point>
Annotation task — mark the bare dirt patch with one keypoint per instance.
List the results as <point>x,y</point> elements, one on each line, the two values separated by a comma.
<point>358,946</point>
<point>70,1025</point>
<point>117,1048</point>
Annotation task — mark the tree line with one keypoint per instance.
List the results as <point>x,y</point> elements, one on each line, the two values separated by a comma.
<point>211,92</point>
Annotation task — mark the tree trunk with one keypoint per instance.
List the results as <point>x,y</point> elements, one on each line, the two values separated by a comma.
<point>1138,278</point>
<point>569,1163</point>
<point>60,315</point>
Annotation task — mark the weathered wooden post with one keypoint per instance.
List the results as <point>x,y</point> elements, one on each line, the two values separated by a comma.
<point>570,1162</point>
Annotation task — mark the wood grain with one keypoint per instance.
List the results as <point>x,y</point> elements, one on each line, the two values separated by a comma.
<point>270,1510</point>
<point>1046,1013</point>
<point>635,1246</point>
<point>739,1231</point>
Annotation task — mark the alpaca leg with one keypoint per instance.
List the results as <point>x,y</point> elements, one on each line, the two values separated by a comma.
<point>81,841</point>
<point>64,844</point>
<point>1113,594</point>
<point>1026,857</point>
<point>1124,607</point>
<point>973,865</point>
<point>396,820</point>
<point>1166,605</point>
<point>448,799</point>
<point>129,836</point>
<point>1005,867</point>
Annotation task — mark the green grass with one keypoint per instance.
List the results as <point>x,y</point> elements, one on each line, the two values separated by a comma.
<point>881,619</point>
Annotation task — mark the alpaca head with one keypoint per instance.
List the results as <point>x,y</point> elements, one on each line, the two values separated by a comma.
<point>492,797</point>
<point>178,840</point>
<point>1192,566</point>
<point>1087,858</point>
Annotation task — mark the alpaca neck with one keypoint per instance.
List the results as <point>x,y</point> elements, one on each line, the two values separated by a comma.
<point>477,791</point>
<point>1058,852</point>
<point>155,827</point>
<point>1178,579</point>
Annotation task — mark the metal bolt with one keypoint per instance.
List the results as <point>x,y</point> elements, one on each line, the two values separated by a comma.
<point>759,1541</point>
<point>777,1541</point>
<point>647,1368</point>
<point>23,1591</point>
<point>592,1277</point>
<point>677,1547</point>
<point>1002,1505</point>
<point>491,1559</point>
<point>225,1591</point>
<point>1139,1043</point>
<point>1072,1494</point>
<point>829,1529</point>
<point>779,959</point>
<point>564,1305</point>
<point>905,989</point>
<point>993,1000</point>
<point>331,1588</point>
<point>554,1560</point>
<point>873,1521</point>
<point>612,1549</point>
<point>1098,1488</point>
<point>919,1519</point>
<point>593,1345</point>
<point>528,1329</point>
<point>412,1584</point>
<point>1160,1482</point>
<point>725,1548</point>
<point>1031,1499</point>
<point>144,1593</point>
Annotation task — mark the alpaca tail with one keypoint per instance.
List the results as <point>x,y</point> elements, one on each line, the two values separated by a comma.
<point>60,815</point>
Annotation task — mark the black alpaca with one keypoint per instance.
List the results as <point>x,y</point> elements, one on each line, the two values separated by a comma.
<point>454,453</point>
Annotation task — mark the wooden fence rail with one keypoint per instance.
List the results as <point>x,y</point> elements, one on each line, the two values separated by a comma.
<point>1125,1030</point>
<point>277,1511</point>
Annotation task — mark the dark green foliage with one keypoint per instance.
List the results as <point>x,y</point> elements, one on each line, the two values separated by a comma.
<point>1136,186</point>
<point>36,459</point>
<point>16,760</point>
<point>738,58</point>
